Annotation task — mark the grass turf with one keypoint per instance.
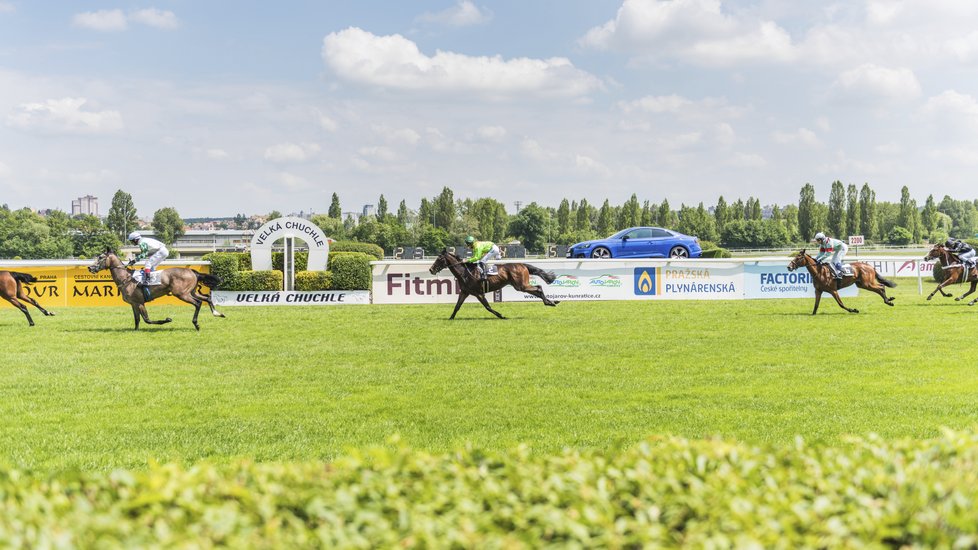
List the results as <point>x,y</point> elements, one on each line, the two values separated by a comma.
<point>82,390</point>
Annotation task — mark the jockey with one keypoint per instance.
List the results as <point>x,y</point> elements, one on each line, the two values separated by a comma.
<point>965,252</point>
<point>152,250</point>
<point>834,248</point>
<point>482,252</point>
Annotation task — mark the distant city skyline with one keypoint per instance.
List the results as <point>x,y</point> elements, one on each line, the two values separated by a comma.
<point>217,108</point>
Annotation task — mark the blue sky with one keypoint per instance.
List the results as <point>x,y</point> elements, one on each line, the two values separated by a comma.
<point>224,107</point>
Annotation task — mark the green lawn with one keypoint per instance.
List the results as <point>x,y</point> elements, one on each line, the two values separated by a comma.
<point>82,390</point>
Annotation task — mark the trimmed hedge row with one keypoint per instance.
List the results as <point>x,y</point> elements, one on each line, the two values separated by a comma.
<point>347,271</point>
<point>665,492</point>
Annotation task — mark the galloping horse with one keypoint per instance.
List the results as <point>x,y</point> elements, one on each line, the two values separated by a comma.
<point>178,281</point>
<point>863,275</point>
<point>954,272</point>
<point>517,275</point>
<point>12,290</point>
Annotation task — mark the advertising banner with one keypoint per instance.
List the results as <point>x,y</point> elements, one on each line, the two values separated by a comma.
<point>773,280</point>
<point>71,284</point>
<point>409,282</point>
<point>291,298</point>
<point>636,280</point>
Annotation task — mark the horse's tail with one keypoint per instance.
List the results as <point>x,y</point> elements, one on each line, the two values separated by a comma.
<point>548,276</point>
<point>208,280</point>
<point>885,282</point>
<point>25,278</point>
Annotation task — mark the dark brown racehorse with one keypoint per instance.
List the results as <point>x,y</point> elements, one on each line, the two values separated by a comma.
<point>470,283</point>
<point>12,289</point>
<point>954,272</point>
<point>863,275</point>
<point>178,281</point>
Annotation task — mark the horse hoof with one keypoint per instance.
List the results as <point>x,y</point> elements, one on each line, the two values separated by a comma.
<point>50,313</point>
<point>855,311</point>
<point>167,320</point>
<point>957,299</point>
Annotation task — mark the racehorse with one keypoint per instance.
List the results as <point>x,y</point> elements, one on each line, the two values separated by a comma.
<point>863,275</point>
<point>470,284</point>
<point>12,289</point>
<point>954,272</point>
<point>178,281</point>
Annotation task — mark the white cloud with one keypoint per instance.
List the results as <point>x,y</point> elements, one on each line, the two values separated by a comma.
<point>385,154</point>
<point>494,134</point>
<point>462,14</point>
<point>153,17</point>
<point>64,115</point>
<point>402,136</point>
<point>872,82</point>
<point>802,136</point>
<point>695,30</point>
<point>7,7</point>
<point>291,152</point>
<point>102,21</point>
<point>327,123</point>
<point>217,154</point>
<point>292,181</point>
<point>682,106</point>
<point>748,160</point>
<point>952,104</point>
<point>395,62</point>
<point>116,20</point>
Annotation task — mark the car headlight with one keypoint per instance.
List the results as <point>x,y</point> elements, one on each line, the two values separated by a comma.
<point>586,245</point>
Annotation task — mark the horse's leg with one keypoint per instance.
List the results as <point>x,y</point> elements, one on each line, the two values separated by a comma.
<point>210,303</point>
<point>974,284</point>
<point>875,286</point>
<point>22,295</point>
<point>461,298</point>
<point>142,311</point>
<point>972,289</point>
<point>135,315</point>
<point>192,300</point>
<point>485,303</point>
<point>522,284</point>
<point>838,300</point>
<point>818,298</point>
<point>22,308</point>
<point>950,280</point>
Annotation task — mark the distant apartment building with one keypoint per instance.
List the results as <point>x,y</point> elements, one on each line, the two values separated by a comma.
<point>85,206</point>
<point>369,210</point>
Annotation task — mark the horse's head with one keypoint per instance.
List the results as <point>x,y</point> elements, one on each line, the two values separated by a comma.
<point>936,252</point>
<point>102,261</point>
<point>799,260</point>
<point>441,262</point>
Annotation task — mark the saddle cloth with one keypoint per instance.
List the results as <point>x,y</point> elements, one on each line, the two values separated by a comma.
<point>154,277</point>
<point>492,269</point>
<point>847,270</point>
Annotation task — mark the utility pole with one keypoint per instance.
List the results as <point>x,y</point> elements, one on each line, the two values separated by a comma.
<point>518,205</point>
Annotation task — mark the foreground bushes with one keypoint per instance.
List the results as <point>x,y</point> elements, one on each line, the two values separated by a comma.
<point>664,492</point>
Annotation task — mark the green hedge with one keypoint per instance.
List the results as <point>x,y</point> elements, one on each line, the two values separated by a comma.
<point>716,253</point>
<point>234,270</point>
<point>258,280</point>
<point>350,270</point>
<point>313,280</point>
<point>349,246</point>
<point>663,493</point>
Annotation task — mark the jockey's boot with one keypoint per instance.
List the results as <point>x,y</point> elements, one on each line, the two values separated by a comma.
<point>485,276</point>
<point>144,285</point>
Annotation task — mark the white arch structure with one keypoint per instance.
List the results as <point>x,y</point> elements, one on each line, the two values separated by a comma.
<point>289,228</point>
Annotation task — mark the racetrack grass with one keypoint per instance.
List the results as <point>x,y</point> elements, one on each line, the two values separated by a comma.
<point>82,390</point>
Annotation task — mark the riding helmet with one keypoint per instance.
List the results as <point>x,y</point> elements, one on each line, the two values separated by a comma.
<point>469,240</point>
<point>819,237</point>
<point>134,236</point>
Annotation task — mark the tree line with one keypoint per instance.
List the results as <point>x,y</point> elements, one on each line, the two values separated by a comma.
<point>25,234</point>
<point>743,223</point>
<point>445,220</point>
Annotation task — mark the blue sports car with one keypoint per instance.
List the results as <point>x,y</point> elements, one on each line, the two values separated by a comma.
<point>639,242</point>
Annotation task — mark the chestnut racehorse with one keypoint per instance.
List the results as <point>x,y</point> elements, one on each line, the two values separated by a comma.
<point>954,272</point>
<point>863,275</point>
<point>12,289</point>
<point>470,283</point>
<point>178,281</point>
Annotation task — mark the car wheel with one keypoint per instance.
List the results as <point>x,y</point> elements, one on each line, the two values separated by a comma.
<point>601,252</point>
<point>679,252</point>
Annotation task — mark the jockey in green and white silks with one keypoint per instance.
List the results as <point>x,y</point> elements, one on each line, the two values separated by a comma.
<point>152,250</point>
<point>482,252</point>
<point>834,248</point>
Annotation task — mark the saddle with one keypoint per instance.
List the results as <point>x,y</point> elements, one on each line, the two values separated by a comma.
<point>154,277</point>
